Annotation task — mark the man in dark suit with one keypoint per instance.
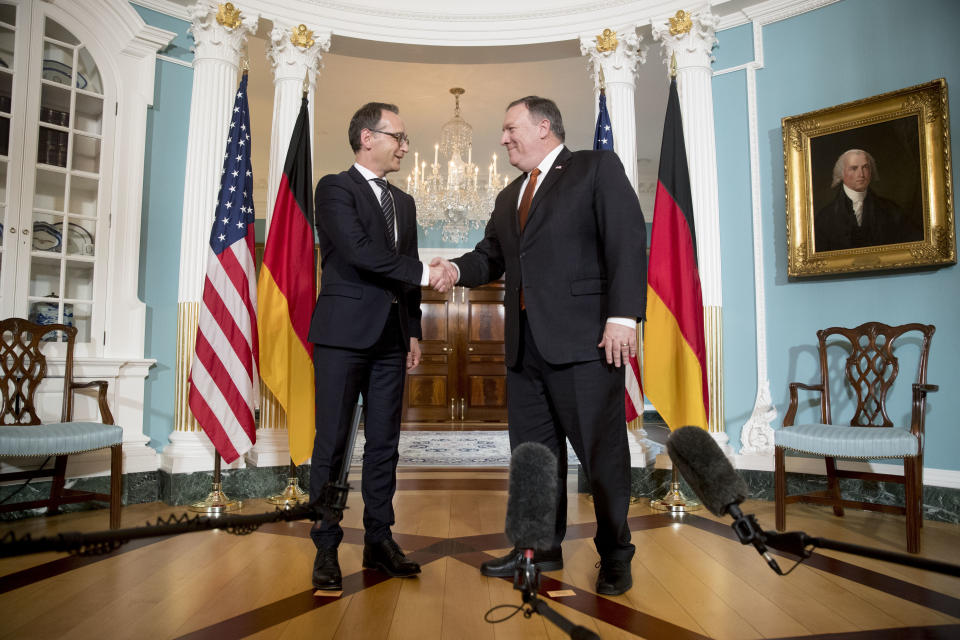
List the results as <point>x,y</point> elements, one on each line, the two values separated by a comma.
<point>366,328</point>
<point>857,216</point>
<point>570,236</point>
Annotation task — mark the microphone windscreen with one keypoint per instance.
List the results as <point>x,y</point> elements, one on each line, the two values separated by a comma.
<point>532,499</point>
<point>708,472</point>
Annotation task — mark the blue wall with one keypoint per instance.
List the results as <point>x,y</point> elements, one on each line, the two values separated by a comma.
<point>839,53</point>
<point>167,123</point>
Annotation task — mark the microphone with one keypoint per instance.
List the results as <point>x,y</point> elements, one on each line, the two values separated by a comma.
<point>711,476</point>
<point>531,510</point>
<point>530,523</point>
<point>532,497</point>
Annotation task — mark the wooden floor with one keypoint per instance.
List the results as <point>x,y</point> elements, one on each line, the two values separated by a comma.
<point>692,579</point>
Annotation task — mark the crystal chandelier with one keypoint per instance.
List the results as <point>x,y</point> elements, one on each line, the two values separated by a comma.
<point>457,203</point>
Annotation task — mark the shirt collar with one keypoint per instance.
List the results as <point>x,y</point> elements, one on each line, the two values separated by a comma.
<point>856,196</point>
<point>547,163</point>
<point>366,173</point>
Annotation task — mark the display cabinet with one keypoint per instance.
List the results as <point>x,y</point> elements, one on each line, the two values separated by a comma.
<point>56,131</point>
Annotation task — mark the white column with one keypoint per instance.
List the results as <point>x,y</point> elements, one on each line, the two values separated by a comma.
<point>220,42</point>
<point>294,53</point>
<point>691,38</point>
<point>618,54</point>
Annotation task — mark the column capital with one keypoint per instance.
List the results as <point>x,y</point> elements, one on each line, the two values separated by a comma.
<point>294,49</point>
<point>220,32</point>
<point>616,52</point>
<point>689,35</point>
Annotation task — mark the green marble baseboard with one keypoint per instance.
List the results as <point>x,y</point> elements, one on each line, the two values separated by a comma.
<point>939,503</point>
<point>137,488</point>
<point>236,484</point>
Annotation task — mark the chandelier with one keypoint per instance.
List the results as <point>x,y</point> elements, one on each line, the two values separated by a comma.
<point>456,203</point>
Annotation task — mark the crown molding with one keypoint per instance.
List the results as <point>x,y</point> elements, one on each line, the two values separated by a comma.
<point>770,11</point>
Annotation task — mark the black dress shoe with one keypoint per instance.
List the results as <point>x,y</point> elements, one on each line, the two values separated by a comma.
<point>386,556</point>
<point>326,570</point>
<point>614,577</point>
<point>506,566</point>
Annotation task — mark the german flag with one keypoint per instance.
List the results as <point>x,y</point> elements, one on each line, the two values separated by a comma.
<point>287,293</point>
<point>674,348</point>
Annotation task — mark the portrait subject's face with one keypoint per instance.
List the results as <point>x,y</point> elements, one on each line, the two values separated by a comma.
<point>856,172</point>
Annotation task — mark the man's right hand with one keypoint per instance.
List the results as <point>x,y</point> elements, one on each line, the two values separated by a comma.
<point>443,275</point>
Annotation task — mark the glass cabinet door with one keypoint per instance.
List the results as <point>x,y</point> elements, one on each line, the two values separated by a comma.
<point>50,264</point>
<point>9,215</point>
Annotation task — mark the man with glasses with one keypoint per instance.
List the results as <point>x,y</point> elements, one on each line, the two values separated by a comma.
<point>366,330</point>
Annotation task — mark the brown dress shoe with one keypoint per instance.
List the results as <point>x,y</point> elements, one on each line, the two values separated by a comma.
<point>386,556</point>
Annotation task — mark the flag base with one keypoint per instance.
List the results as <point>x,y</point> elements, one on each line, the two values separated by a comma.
<point>292,495</point>
<point>216,502</point>
<point>674,501</point>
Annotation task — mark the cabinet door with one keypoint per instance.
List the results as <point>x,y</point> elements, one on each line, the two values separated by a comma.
<point>431,392</point>
<point>59,262</point>
<point>483,372</point>
<point>14,52</point>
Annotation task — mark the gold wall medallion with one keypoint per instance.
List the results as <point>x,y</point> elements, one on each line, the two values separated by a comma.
<point>682,23</point>
<point>301,37</point>
<point>901,143</point>
<point>228,16</point>
<point>607,41</point>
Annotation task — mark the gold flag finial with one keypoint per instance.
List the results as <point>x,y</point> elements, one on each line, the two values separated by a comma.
<point>603,83</point>
<point>228,16</point>
<point>673,65</point>
<point>245,63</point>
<point>306,82</point>
<point>682,23</point>
<point>607,41</point>
<point>301,37</point>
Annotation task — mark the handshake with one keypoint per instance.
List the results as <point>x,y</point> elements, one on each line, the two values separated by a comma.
<point>443,275</point>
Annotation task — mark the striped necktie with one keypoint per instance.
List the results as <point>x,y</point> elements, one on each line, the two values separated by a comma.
<point>389,211</point>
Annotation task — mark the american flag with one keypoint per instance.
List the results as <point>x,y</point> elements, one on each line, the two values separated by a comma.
<point>224,385</point>
<point>633,394</point>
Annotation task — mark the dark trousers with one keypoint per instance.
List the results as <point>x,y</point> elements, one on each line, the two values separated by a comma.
<point>341,375</point>
<point>582,402</point>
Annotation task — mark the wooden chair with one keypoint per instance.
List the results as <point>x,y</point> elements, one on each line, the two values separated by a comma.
<point>22,434</point>
<point>871,369</point>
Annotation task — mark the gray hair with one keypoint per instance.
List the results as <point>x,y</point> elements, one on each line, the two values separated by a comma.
<point>543,109</point>
<point>841,161</point>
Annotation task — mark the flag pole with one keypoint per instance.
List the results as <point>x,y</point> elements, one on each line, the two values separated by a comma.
<point>674,501</point>
<point>216,501</point>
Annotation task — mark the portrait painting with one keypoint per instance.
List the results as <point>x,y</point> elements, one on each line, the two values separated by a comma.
<point>867,184</point>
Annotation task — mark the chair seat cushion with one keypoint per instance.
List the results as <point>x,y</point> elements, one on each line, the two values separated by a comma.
<point>57,438</point>
<point>847,441</point>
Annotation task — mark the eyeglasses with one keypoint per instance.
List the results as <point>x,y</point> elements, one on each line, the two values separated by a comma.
<point>399,137</point>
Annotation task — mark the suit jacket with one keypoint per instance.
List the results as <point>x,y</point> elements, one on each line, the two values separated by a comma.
<point>883,222</point>
<point>580,259</point>
<point>361,275</point>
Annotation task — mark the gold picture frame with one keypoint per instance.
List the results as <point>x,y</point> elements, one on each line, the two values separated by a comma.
<point>903,214</point>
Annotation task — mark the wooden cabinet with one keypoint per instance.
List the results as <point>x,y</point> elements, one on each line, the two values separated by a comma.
<point>462,377</point>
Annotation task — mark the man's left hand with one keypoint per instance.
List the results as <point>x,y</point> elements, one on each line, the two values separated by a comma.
<point>413,356</point>
<point>619,343</point>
